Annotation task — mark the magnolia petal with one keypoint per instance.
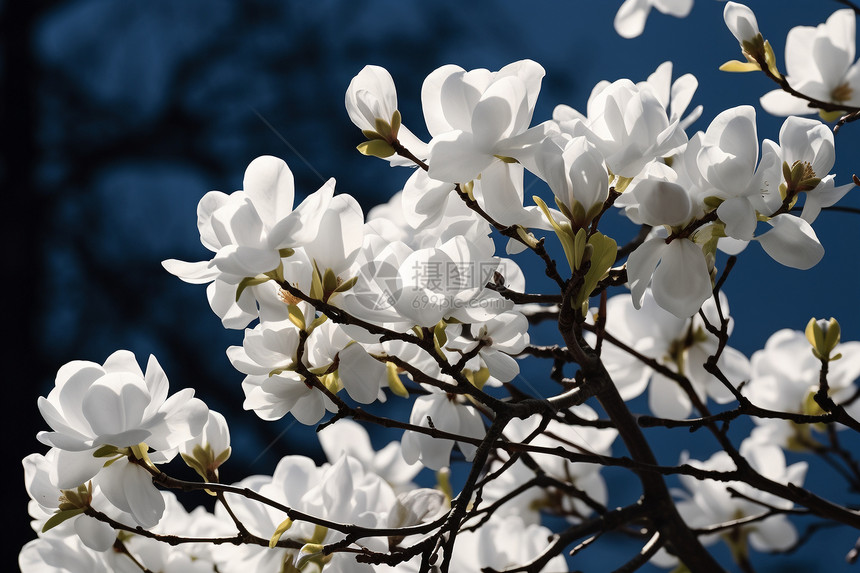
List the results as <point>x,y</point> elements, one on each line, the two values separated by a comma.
<point>773,534</point>
<point>454,158</point>
<point>682,282</point>
<point>663,203</point>
<point>303,224</point>
<point>739,216</point>
<point>424,199</point>
<point>740,21</point>
<point>501,365</point>
<point>833,49</point>
<point>493,117</point>
<point>95,534</point>
<point>446,85</point>
<point>207,205</point>
<point>346,437</point>
<point>222,300</point>
<point>676,8</point>
<point>666,399</point>
<point>640,267</point>
<point>338,246</point>
<point>195,273</point>
<point>268,184</point>
<point>246,261</point>
<point>114,404</point>
<point>470,425</point>
<point>360,373</point>
<point>72,469</point>
<point>630,19</point>
<point>129,487</point>
<point>499,192</point>
<point>683,90</point>
<point>778,102</point>
<point>792,242</point>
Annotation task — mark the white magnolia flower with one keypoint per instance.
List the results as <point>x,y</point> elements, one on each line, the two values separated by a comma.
<point>497,340</point>
<point>342,492</point>
<point>449,281</point>
<point>630,19</point>
<point>682,345</point>
<point>337,247</point>
<point>627,123</point>
<point>675,96</point>
<point>810,143</point>
<point>346,437</point>
<point>476,117</point>
<point>211,448</point>
<point>503,543</point>
<point>583,476</point>
<point>576,173</point>
<point>116,404</point>
<point>95,534</point>
<point>677,271</point>
<point>51,554</point>
<point>727,162</point>
<point>249,230</point>
<point>371,96</point>
<point>292,478</point>
<point>820,63</point>
<point>271,385</point>
<point>741,22</point>
<point>448,414</point>
<point>785,377</point>
<point>711,503</point>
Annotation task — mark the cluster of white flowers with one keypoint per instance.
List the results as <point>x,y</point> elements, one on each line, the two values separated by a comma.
<point>413,300</point>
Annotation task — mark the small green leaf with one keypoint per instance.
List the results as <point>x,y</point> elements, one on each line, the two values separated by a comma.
<point>478,378</point>
<point>527,238</point>
<point>296,316</point>
<point>736,66</point>
<point>830,116</point>
<point>564,209</point>
<point>383,128</point>
<point>770,59</point>
<point>279,531</point>
<point>376,148</point>
<point>329,283</point>
<point>106,451</point>
<point>394,383</point>
<point>249,282</point>
<point>564,233</point>
<point>440,334</point>
<point>316,322</point>
<point>395,123</point>
<point>316,284</point>
<point>370,134</point>
<point>346,285</point>
<point>603,254</point>
<point>61,516</point>
<point>223,456</point>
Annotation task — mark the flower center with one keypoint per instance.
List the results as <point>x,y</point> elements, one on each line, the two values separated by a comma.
<point>842,93</point>
<point>288,298</point>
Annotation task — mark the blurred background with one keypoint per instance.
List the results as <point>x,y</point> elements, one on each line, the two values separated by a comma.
<point>118,117</point>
